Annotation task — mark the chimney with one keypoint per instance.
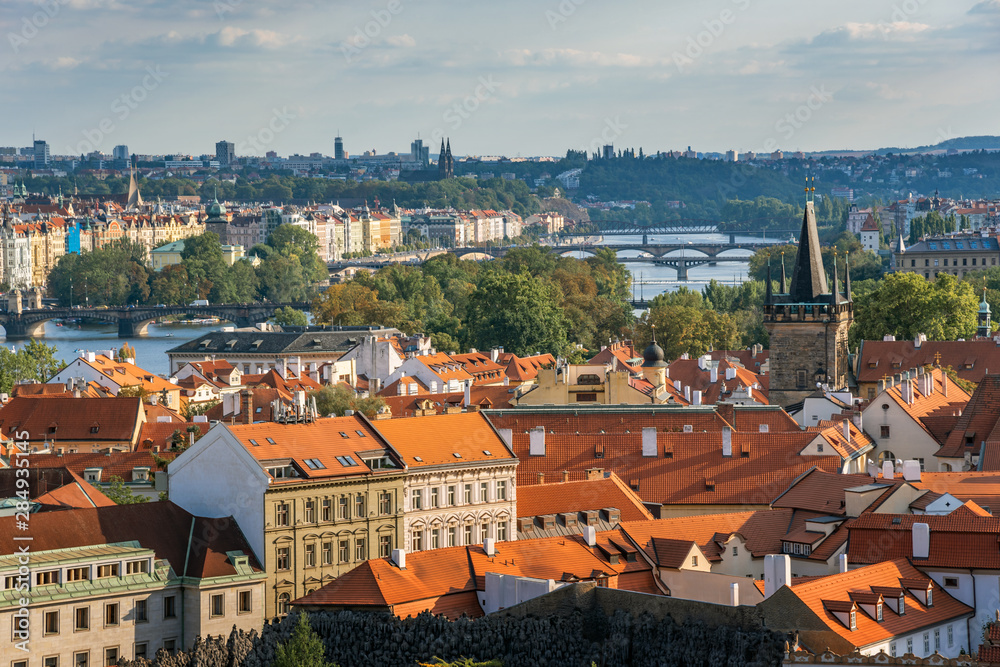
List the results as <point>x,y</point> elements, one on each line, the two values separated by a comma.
<point>494,354</point>
<point>730,373</point>
<point>565,476</point>
<point>887,470</point>
<point>911,471</point>
<point>590,535</point>
<point>704,361</point>
<point>536,441</point>
<point>842,562</point>
<point>847,430</point>
<point>284,369</point>
<point>541,478</point>
<point>921,540</point>
<point>434,386</point>
<point>490,547</point>
<point>696,397</point>
<point>727,441</point>
<point>246,406</point>
<point>677,385</point>
<point>734,594</point>
<point>649,441</point>
<point>467,401</point>
<point>594,473</point>
<point>687,393</point>
<point>777,573</point>
<point>713,375</point>
<point>399,558</point>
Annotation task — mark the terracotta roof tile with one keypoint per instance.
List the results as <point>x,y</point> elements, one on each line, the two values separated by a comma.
<point>539,499</point>
<point>960,539</point>
<point>436,439</point>
<point>977,423</point>
<point>116,419</point>
<point>876,357</point>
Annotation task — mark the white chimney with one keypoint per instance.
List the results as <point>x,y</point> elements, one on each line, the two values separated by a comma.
<point>677,385</point>
<point>687,393</point>
<point>704,361</point>
<point>921,540</point>
<point>536,441</point>
<point>713,375</point>
<point>911,471</point>
<point>490,547</point>
<point>91,357</point>
<point>730,373</point>
<point>590,535</point>
<point>847,430</point>
<point>727,441</point>
<point>734,594</point>
<point>696,397</point>
<point>507,435</point>
<point>887,470</point>
<point>412,387</point>
<point>649,441</point>
<point>842,562</point>
<point>494,354</point>
<point>467,401</point>
<point>399,558</point>
<point>434,386</point>
<point>777,573</point>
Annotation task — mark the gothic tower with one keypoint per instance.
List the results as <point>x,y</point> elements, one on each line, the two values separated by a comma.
<point>808,325</point>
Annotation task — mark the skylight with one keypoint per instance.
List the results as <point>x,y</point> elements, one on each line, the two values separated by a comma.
<point>360,433</point>
<point>346,461</point>
<point>456,455</point>
<point>418,459</point>
<point>487,452</point>
<point>270,441</point>
<point>315,464</point>
<point>254,442</point>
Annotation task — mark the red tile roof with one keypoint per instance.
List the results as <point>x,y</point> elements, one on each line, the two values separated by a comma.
<point>971,359</point>
<point>161,526</point>
<point>539,499</point>
<point>621,355</point>
<point>979,422</point>
<point>437,439</point>
<point>981,487</point>
<point>116,420</point>
<point>482,397</point>
<point>524,369</point>
<point>112,464</point>
<point>960,539</point>
<point>53,488</point>
<point>689,373</point>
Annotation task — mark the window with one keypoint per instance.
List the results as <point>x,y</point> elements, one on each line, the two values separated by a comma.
<point>501,531</point>
<point>284,600</point>
<point>468,494</point>
<point>385,503</point>
<point>281,563</point>
<point>736,551</point>
<point>359,505</point>
<point>170,606</point>
<point>52,661</point>
<point>417,541</point>
<point>878,612</point>
<point>485,532</point>
<point>434,498</point>
<point>927,643</point>
<point>327,553</point>
<point>937,639</point>
<point>884,431</point>
<point>310,555</point>
<point>217,605</point>
<point>81,618</point>
<point>451,496</point>
<point>47,578</point>
<point>81,659</point>
<point>244,602</point>
<point>694,561</point>
<point>52,622</point>
<point>468,534</point>
<point>800,379</point>
<point>281,515</point>
<point>452,536</point>
<point>344,551</point>
<point>930,598</point>
<point>416,500</point>
<point>327,509</point>
<point>140,611</point>
<point>137,567</point>
<point>484,492</point>
<point>140,651</point>
<point>360,551</point>
<point>854,620</point>
<point>109,570</point>
<point>78,574</point>
<point>909,644</point>
<point>310,511</point>
<point>435,538</point>
<point>951,636</point>
<point>902,605</point>
<point>502,490</point>
<point>819,448</point>
<point>345,508</point>
<point>892,649</point>
<point>586,398</point>
<point>384,546</point>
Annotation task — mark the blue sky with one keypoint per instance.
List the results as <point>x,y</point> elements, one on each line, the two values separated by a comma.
<point>513,78</point>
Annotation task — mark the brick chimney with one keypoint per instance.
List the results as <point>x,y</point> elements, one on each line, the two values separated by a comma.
<point>594,473</point>
<point>565,475</point>
<point>541,478</point>
<point>246,406</point>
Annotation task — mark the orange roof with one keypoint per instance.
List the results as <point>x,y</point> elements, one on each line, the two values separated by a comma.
<point>112,464</point>
<point>495,397</point>
<point>965,538</point>
<point>971,359</point>
<point>981,487</point>
<point>125,374</point>
<point>818,594</point>
<point>523,369</point>
<point>833,432</point>
<point>322,449</point>
<point>72,419</point>
<point>449,439</point>
<point>481,367</point>
<point>979,422</point>
<point>610,491</point>
<point>690,374</point>
<point>620,354</point>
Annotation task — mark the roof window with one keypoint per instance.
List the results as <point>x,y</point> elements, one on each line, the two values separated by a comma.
<point>347,461</point>
<point>254,442</point>
<point>271,442</point>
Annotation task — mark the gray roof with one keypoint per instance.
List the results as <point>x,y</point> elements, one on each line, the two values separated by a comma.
<point>953,243</point>
<point>334,339</point>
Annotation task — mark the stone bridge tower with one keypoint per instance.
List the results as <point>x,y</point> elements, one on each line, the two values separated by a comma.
<point>808,323</point>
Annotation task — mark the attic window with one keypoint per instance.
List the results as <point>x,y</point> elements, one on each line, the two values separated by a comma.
<point>271,442</point>
<point>254,442</point>
<point>688,428</point>
<point>418,459</point>
<point>710,485</point>
<point>52,429</point>
<point>599,450</point>
<point>95,428</point>
<point>885,406</point>
<point>316,342</point>
<point>763,428</point>
<point>206,342</point>
<point>361,434</point>
<point>487,452</point>
<point>634,484</point>
<point>315,464</point>
<point>456,455</point>
<point>344,435</point>
<point>231,343</point>
<point>346,461</point>
<point>896,520</point>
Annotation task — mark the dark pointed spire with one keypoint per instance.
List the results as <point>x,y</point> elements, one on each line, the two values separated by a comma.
<point>768,297</point>
<point>808,275</point>
<point>847,276</point>
<point>783,288</point>
<point>835,295</point>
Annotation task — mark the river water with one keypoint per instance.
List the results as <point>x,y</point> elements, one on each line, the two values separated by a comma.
<point>649,279</point>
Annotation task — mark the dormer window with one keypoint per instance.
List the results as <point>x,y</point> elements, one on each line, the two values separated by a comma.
<point>878,612</point>
<point>902,604</point>
<point>930,599</point>
<point>854,620</point>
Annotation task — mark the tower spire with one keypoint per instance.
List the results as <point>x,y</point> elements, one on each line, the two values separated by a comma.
<point>783,288</point>
<point>835,295</point>
<point>768,296</point>
<point>808,275</point>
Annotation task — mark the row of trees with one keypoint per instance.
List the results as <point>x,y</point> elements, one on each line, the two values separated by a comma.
<point>118,274</point>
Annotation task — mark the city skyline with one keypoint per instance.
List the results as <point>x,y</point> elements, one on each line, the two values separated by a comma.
<point>560,75</point>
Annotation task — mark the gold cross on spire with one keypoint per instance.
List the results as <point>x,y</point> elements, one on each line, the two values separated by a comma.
<point>937,359</point>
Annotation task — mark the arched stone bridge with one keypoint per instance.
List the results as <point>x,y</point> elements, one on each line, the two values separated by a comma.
<point>134,321</point>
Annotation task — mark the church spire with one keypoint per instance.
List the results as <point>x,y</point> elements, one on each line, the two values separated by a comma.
<point>835,295</point>
<point>808,275</point>
<point>847,276</point>
<point>768,297</point>
<point>783,288</point>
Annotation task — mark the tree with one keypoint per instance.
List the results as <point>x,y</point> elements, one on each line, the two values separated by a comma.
<point>288,316</point>
<point>337,399</point>
<point>519,312</point>
<point>685,325</point>
<point>303,649</point>
<point>294,241</point>
<point>121,494</point>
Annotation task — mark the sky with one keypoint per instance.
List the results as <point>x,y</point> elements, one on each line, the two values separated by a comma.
<point>519,77</point>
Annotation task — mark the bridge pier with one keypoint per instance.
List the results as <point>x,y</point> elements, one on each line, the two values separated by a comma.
<point>682,270</point>
<point>645,239</point>
<point>732,238</point>
<point>126,328</point>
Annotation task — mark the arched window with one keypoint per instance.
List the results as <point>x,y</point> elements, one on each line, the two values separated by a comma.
<point>886,456</point>
<point>284,601</point>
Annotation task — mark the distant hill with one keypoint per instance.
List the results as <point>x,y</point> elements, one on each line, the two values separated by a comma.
<point>984,142</point>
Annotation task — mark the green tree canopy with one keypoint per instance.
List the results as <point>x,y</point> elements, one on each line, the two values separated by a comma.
<point>303,649</point>
<point>519,312</point>
<point>288,316</point>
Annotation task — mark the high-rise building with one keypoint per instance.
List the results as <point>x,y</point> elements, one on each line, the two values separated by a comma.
<point>225,153</point>
<point>731,156</point>
<point>608,151</point>
<point>41,152</point>
<point>420,153</point>
<point>120,152</point>
<point>808,322</point>
<point>338,148</point>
